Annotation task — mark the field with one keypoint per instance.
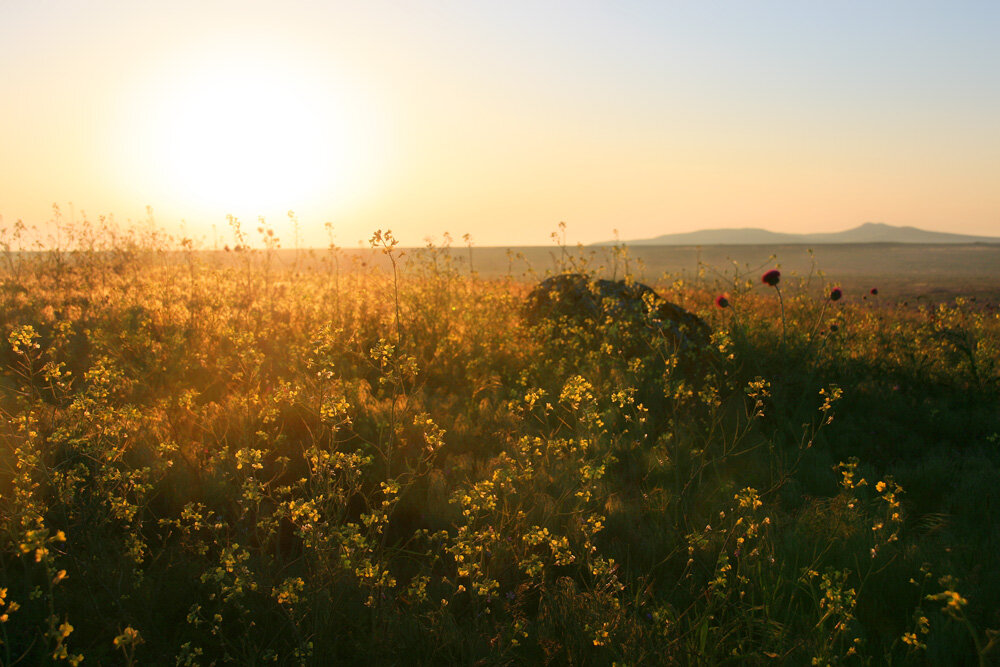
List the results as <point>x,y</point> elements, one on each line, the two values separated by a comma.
<point>903,271</point>
<point>927,274</point>
<point>372,457</point>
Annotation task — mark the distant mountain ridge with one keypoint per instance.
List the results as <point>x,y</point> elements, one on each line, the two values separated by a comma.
<point>870,232</point>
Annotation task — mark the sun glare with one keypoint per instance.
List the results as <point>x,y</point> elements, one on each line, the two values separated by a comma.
<point>248,139</point>
<point>250,136</point>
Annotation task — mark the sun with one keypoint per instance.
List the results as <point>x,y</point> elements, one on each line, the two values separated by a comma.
<point>251,135</point>
<point>249,138</point>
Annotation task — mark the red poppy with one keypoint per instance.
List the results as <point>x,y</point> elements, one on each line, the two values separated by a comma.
<point>771,277</point>
<point>873,291</point>
<point>722,301</point>
<point>835,294</point>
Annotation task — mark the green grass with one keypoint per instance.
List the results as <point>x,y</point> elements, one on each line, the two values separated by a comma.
<point>261,459</point>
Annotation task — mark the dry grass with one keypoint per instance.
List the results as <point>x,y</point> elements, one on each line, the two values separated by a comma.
<point>313,459</point>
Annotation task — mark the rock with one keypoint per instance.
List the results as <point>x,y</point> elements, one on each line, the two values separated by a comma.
<point>629,307</point>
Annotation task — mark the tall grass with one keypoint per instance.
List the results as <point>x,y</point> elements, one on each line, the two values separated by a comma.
<point>209,461</point>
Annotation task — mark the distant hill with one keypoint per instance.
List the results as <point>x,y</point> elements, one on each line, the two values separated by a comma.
<point>870,232</point>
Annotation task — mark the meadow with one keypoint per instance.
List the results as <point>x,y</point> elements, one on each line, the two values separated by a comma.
<point>258,455</point>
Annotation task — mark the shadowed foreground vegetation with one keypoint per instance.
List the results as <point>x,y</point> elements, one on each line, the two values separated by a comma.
<point>252,461</point>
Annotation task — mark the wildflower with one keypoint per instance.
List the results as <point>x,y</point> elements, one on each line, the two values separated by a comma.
<point>722,301</point>
<point>771,277</point>
<point>129,637</point>
<point>873,291</point>
<point>953,601</point>
<point>835,294</point>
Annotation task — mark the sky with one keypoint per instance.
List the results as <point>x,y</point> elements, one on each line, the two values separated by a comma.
<point>501,119</point>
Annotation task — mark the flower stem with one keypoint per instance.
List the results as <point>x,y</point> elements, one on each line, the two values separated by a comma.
<point>781,303</point>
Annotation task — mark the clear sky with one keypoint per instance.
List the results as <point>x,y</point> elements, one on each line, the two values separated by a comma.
<point>501,119</point>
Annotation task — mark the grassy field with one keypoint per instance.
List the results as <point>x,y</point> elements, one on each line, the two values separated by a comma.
<point>901,271</point>
<point>264,456</point>
<point>915,273</point>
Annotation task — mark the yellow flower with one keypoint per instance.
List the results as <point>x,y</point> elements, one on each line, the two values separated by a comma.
<point>129,637</point>
<point>955,601</point>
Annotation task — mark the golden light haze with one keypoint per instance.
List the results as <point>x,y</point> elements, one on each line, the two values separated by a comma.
<point>501,120</point>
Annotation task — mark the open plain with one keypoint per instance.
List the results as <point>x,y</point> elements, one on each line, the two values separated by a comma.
<point>374,456</point>
<point>899,271</point>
